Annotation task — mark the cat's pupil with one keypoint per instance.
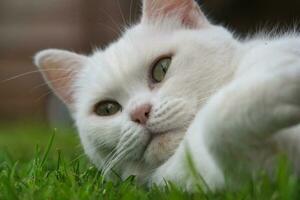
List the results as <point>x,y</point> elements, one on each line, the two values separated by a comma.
<point>108,108</point>
<point>164,68</point>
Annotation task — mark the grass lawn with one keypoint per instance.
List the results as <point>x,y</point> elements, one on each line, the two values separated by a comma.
<point>35,163</point>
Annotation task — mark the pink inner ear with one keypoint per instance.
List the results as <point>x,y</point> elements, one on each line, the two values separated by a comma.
<point>60,69</point>
<point>60,76</point>
<point>187,11</point>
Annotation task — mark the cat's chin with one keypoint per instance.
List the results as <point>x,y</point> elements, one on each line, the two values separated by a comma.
<point>162,146</point>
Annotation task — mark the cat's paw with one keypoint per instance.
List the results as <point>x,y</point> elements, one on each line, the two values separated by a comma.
<point>180,174</point>
<point>263,102</point>
<point>276,100</point>
<point>187,183</point>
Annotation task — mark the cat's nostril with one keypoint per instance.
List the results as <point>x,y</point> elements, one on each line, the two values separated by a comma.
<point>137,121</point>
<point>141,114</point>
<point>147,114</point>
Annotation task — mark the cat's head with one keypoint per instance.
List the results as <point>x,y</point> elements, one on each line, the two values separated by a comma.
<point>134,100</point>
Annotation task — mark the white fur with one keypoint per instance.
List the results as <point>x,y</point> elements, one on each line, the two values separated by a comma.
<point>221,98</point>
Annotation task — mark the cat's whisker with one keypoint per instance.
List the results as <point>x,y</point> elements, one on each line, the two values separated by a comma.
<point>110,161</point>
<point>100,144</point>
<point>28,73</point>
<point>107,159</point>
<point>49,83</point>
<point>118,158</point>
<point>127,140</point>
<point>125,146</point>
<point>133,12</point>
<point>121,12</point>
<point>42,96</point>
<point>112,20</point>
<point>114,30</point>
<point>169,115</point>
<point>111,164</point>
<point>111,156</point>
<point>130,12</point>
<point>126,132</point>
<point>46,94</point>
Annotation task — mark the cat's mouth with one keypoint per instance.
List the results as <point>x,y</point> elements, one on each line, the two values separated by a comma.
<point>152,136</point>
<point>161,145</point>
<point>155,135</point>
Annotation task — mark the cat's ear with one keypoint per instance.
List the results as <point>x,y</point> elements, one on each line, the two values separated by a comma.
<point>60,69</point>
<point>187,12</point>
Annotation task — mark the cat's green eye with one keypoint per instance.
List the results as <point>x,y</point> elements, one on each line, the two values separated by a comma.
<point>160,69</point>
<point>107,108</point>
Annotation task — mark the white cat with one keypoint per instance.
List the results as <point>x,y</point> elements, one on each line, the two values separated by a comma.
<point>175,86</point>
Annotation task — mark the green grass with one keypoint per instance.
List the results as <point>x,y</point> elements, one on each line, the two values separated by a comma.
<point>41,163</point>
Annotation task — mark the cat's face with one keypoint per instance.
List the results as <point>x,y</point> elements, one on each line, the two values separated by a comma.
<point>133,101</point>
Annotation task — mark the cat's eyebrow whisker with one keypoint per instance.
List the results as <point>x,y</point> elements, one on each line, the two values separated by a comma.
<point>121,12</point>
<point>117,26</point>
<point>130,12</point>
<point>114,30</point>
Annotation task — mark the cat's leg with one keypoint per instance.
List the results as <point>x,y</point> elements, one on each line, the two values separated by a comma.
<point>247,111</point>
<point>191,164</point>
<point>240,121</point>
<point>253,108</point>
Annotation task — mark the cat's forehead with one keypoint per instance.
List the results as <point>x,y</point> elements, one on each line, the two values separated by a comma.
<point>125,63</point>
<point>138,41</point>
<point>137,47</point>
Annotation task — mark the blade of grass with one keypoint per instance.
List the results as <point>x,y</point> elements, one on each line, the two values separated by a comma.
<point>45,156</point>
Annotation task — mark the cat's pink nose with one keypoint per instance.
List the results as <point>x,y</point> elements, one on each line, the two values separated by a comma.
<point>141,114</point>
